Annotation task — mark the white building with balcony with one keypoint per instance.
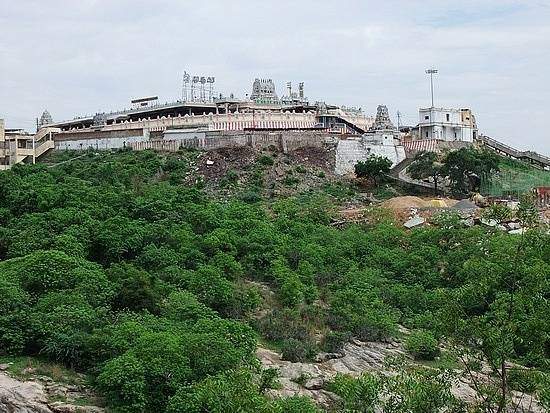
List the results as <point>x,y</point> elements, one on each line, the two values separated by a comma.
<point>446,125</point>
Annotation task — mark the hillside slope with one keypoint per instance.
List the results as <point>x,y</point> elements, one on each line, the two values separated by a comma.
<point>164,277</point>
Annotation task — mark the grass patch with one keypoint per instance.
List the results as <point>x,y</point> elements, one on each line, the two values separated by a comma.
<point>25,368</point>
<point>514,178</point>
<point>446,361</point>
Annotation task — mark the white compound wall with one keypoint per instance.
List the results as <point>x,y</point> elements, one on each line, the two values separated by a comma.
<point>351,151</point>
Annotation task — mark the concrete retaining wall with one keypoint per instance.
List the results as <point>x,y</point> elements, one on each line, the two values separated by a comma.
<point>351,151</point>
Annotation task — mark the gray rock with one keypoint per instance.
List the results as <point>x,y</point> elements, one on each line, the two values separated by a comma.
<point>469,222</point>
<point>22,397</point>
<point>414,222</point>
<point>322,357</point>
<point>60,407</point>
<point>465,204</point>
<point>513,225</point>
<point>315,383</point>
<point>489,222</point>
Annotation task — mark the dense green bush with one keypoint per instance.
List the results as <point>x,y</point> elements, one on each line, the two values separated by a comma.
<point>362,314</point>
<point>334,341</point>
<point>422,345</point>
<point>298,351</point>
<point>266,160</point>
<point>123,383</point>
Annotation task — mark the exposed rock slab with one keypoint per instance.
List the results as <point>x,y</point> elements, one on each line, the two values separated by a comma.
<point>32,397</point>
<point>22,397</point>
<point>308,379</point>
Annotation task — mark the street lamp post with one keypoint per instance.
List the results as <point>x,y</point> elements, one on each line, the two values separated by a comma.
<point>431,72</point>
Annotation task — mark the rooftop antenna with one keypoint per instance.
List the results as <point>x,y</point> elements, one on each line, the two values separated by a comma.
<point>431,72</point>
<point>210,80</point>
<point>185,86</point>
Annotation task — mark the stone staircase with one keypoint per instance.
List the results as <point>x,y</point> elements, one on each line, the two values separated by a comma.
<point>527,156</point>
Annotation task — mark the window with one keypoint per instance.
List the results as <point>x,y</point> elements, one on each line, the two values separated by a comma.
<point>426,134</point>
<point>448,117</point>
<point>426,117</point>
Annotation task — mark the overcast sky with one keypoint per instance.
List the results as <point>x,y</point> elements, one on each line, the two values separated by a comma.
<point>81,57</point>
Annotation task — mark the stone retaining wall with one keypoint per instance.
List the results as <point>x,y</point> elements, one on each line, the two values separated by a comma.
<point>284,141</point>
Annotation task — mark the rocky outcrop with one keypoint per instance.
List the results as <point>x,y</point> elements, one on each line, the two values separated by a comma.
<point>34,396</point>
<point>357,357</point>
<point>308,379</point>
<point>22,397</point>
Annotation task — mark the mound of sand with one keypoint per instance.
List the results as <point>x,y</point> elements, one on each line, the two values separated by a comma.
<point>404,202</point>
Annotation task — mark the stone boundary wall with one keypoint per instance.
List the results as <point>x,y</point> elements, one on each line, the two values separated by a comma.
<point>284,141</point>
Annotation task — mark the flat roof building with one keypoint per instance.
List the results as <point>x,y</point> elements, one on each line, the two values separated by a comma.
<point>445,124</point>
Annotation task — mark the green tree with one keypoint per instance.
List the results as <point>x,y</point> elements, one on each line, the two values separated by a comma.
<point>374,168</point>
<point>122,381</point>
<point>232,391</point>
<point>466,166</point>
<point>426,166</point>
<point>136,288</point>
<point>362,314</point>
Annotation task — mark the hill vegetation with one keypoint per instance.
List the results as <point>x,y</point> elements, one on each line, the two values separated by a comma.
<point>117,265</point>
<point>514,177</point>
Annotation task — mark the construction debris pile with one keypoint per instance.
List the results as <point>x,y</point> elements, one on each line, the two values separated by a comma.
<point>413,211</point>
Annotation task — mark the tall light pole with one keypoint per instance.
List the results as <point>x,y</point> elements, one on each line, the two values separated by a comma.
<point>431,72</point>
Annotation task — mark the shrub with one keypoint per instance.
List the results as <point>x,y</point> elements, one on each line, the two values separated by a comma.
<point>498,212</point>
<point>357,395</point>
<point>251,197</point>
<point>266,160</point>
<point>14,304</point>
<point>291,291</point>
<point>269,379</point>
<point>291,181</point>
<point>295,404</point>
<point>334,341</point>
<point>232,391</point>
<point>363,314</point>
<point>122,381</point>
<point>61,325</point>
<point>136,288</point>
<point>278,325</point>
<point>298,351</point>
<point>422,345</point>
<point>230,179</point>
<point>184,306</point>
<point>300,169</point>
<point>524,380</point>
<point>211,287</point>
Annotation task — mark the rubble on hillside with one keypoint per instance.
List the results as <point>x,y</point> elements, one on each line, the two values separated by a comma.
<point>414,211</point>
